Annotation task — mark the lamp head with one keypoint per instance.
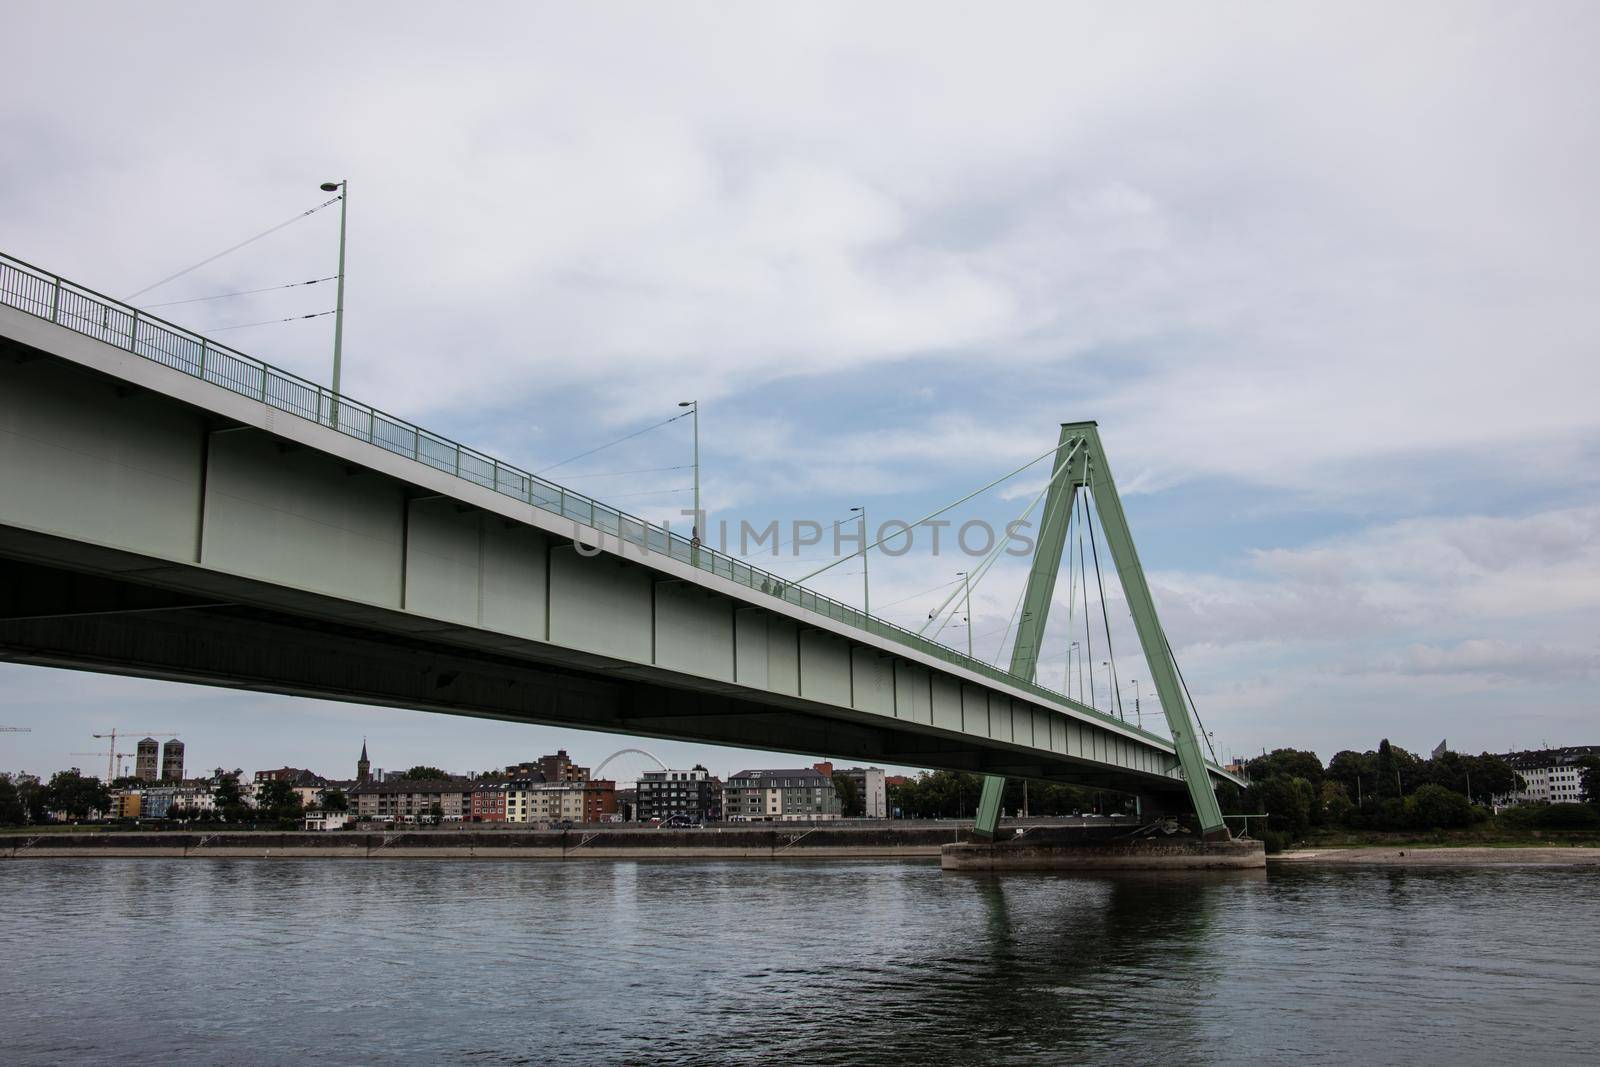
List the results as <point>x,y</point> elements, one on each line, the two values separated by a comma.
<point>330,187</point>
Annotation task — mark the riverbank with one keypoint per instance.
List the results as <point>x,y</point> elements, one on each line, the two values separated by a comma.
<point>754,844</point>
<point>1443,855</point>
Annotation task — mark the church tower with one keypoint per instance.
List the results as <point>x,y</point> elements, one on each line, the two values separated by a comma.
<point>363,765</point>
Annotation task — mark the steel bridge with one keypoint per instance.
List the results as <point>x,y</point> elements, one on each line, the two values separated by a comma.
<point>173,508</point>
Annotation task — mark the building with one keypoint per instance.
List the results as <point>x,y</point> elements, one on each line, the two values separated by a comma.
<point>147,760</point>
<point>488,802</point>
<point>410,800</point>
<point>126,804</point>
<point>560,768</point>
<point>158,802</point>
<point>780,796</point>
<point>599,800</point>
<point>544,803</point>
<point>363,765</point>
<point>326,820</point>
<point>872,787</point>
<point>692,796</point>
<point>195,794</point>
<point>292,775</point>
<point>1550,776</point>
<point>172,761</point>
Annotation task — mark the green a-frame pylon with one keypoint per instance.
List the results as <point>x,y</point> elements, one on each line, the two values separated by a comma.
<point>1080,463</point>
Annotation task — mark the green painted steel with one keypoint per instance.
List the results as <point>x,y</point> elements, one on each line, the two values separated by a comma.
<point>1152,638</point>
<point>1036,600</point>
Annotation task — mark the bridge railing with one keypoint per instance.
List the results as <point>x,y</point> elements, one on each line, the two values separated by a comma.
<point>82,310</point>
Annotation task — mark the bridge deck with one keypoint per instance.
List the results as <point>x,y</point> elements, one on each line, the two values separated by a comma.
<point>226,480</point>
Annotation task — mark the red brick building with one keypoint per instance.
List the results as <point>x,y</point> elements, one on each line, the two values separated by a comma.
<point>599,800</point>
<point>488,802</point>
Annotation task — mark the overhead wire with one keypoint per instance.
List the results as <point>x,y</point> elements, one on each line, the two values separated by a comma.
<point>618,441</point>
<point>235,248</point>
<point>641,470</point>
<point>272,322</point>
<point>241,292</point>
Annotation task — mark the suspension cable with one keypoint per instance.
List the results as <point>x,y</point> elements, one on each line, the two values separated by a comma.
<point>235,248</point>
<point>982,569</point>
<point>932,515</point>
<point>1088,631</point>
<point>1115,696</point>
<point>1192,706</point>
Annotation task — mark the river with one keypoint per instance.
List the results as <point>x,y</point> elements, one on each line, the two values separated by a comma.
<point>424,961</point>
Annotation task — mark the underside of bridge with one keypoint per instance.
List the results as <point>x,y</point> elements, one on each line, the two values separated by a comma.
<point>110,622</point>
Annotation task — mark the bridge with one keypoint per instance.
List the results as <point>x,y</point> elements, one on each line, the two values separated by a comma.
<point>173,508</point>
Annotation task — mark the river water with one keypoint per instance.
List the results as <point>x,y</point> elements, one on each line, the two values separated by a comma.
<point>223,961</point>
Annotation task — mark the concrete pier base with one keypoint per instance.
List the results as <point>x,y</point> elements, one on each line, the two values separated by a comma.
<point>1054,853</point>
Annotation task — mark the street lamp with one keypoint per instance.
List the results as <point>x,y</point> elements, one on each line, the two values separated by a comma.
<point>1137,714</point>
<point>695,405</point>
<point>866,601</point>
<point>1075,647</point>
<point>1111,695</point>
<point>966,583</point>
<point>343,189</point>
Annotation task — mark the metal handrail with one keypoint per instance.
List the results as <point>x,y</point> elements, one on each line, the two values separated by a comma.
<point>78,308</point>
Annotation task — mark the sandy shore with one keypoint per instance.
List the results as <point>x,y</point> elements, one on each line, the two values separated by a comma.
<point>1442,856</point>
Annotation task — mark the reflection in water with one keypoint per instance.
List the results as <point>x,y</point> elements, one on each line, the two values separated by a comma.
<point>228,961</point>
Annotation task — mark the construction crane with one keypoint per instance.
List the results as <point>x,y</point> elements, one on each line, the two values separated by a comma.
<point>111,756</point>
<point>16,729</point>
<point>110,777</point>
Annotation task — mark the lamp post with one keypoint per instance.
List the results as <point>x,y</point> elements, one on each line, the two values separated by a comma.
<point>695,406</point>
<point>966,583</point>
<point>866,596</point>
<point>1137,714</point>
<point>1074,647</point>
<point>343,189</point>
<point>1111,697</point>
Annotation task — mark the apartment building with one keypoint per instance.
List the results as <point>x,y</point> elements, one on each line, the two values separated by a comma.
<point>782,795</point>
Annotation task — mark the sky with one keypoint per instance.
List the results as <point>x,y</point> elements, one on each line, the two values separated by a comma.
<point>1325,275</point>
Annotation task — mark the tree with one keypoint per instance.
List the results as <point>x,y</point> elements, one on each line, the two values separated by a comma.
<point>76,795</point>
<point>277,800</point>
<point>229,800</point>
<point>12,810</point>
<point>1336,806</point>
<point>1288,803</point>
<point>1357,772</point>
<point>1437,807</point>
<point>1286,763</point>
<point>420,773</point>
<point>1589,778</point>
<point>335,800</point>
<point>850,802</point>
<point>436,814</point>
<point>941,794</point>
<point>1396,772</point>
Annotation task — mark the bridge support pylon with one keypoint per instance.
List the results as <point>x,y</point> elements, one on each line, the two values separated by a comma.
<point>1080,463</point>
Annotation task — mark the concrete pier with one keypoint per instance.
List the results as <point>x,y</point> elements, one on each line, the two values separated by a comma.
<point>1065,852</point>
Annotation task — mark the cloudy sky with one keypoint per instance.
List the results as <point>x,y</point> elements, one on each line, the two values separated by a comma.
<point>1326,276</point>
